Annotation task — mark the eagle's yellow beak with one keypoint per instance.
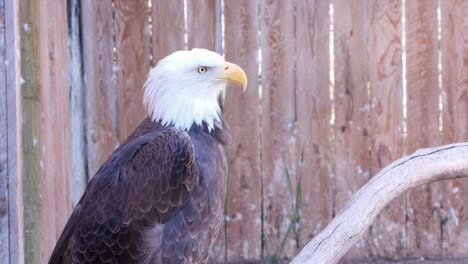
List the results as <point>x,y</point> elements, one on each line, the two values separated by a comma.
<point>234,74</point>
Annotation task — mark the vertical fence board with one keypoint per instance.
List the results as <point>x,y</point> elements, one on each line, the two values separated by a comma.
<point>243,200</point>
<point>4,199</point>
<point>351,107</point>
<point>219,29</point>
<point>277,126</point>
<point>201,24</point>
<point>47,211</point>
<point>387,234</point>
<point>14,131</point>
<point>454,47</point>
<point>77,103</point>
<point>313,113</point>
<point>55,132</point>
<point>423,203</point>
<point>132,58</point>
<point>31,131</point>
<point>97,39</point>
<point>168,27</point>
<point>61,106</point>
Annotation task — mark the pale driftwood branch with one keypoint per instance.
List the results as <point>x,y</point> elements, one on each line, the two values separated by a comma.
<point>424,166</point>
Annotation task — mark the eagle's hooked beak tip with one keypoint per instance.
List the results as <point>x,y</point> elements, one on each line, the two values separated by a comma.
<point>232,73</point>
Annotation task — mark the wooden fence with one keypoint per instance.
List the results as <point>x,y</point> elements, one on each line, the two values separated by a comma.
<point>337,90</point>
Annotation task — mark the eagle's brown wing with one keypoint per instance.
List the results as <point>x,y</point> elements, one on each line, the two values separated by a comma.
<point>145,181</point>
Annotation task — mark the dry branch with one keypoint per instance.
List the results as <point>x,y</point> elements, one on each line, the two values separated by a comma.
<point>423,166</point>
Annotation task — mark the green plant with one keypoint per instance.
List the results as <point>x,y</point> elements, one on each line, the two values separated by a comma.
<point>294,227</point>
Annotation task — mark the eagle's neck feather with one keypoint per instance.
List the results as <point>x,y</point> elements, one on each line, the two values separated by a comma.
<point>183,107</point>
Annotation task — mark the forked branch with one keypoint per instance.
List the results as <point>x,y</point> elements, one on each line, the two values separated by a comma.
<point>423,166</point>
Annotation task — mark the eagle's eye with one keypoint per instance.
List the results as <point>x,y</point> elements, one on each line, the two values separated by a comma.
<point>202,69</point>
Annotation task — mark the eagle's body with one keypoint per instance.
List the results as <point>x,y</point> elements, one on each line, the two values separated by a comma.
<point>158,198</point>
<point>127,220</point>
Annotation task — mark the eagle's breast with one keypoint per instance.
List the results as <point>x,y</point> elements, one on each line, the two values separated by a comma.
<point>193,230</point>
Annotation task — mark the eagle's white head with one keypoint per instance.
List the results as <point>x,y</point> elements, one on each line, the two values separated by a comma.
<point>184,87</point>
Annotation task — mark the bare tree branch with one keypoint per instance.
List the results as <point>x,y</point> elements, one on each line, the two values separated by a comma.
<point>424,166</point>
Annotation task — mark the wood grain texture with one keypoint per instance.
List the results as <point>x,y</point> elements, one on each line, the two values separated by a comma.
<point>243,200</point>
<point>31,128</point>
<point>132,63</point>
<point>387,233</point>
<point>48,153</point>
<point>4,217</point>
<point>351,107</point>
<point>454,47</point>
<point>201,24</point>
<point>277,127</point>
<point>79,177</point>
<point>58,57</point>
<point>219,16</point>
<point>55,130</point>
<point>423,215</point>
<point>168,27</point>
<point>99,80</point>
<point>14,131</point>
<point>313,114</point>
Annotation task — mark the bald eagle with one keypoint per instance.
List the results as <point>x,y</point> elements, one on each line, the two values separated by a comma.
<point>158,198</point>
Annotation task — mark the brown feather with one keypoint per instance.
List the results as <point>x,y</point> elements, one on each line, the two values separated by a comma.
<point>157,199</point>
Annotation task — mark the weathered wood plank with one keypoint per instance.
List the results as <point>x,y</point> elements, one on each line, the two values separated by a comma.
<point>454,47</point>
<point>14,131</point>
<point>31,127</point>
<point>201,24</point>
<point>168,27</point>
<point>79,177</point>
<point>387,234</point>
<point>61,94</point>
<point>132,63</point>
<point>55,125</point>
<point>277,127</point>
<point>4,199</point>
<point>47,156</point>
<point>219,26</point>
<point>243,200</point>
<point>97,39</point>
<point>351,107</point>
<point>423,217</point>
<point>313,114</point>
